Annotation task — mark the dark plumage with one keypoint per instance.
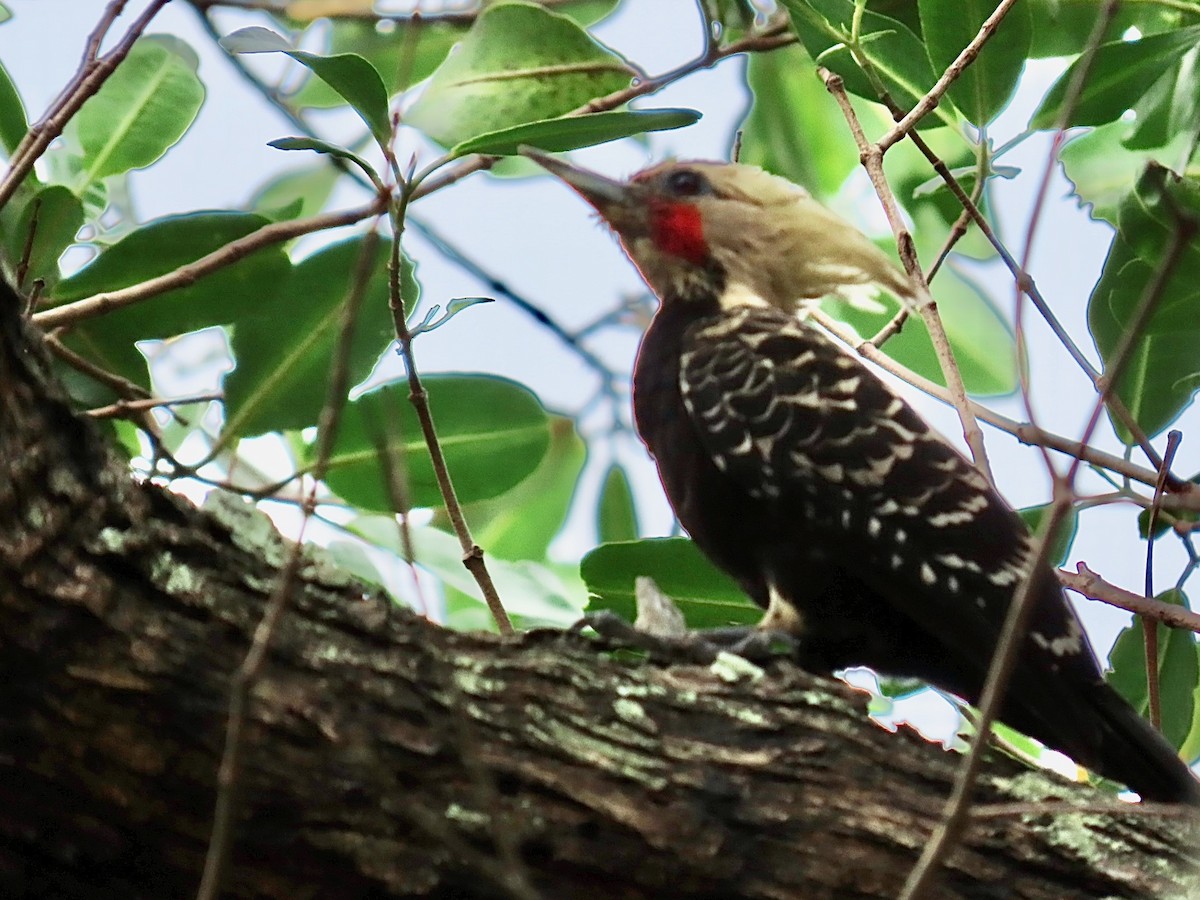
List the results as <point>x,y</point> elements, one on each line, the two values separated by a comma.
<point>861,531</point>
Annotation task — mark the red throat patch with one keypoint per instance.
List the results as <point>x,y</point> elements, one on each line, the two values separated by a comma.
<point>676,228</point>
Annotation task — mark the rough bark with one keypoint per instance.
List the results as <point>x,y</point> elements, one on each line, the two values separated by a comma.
<point>388,757</point>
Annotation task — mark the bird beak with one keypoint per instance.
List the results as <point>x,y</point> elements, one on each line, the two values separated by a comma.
<point>608,195</point>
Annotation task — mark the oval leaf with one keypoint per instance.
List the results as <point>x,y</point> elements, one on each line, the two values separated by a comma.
<point>519,63</point>
<point>46,227</point>
<point>1162,375</point>
<point>13,123</point>
<point>142,110</point>
<point>985,86</point>
<point>573,132</point>
<point>1120,73</point>
<point>1178,672</point>
<point>897,55</point>
<point>284,348</point>
<point>352,77</point>
<point>493,433</point>
<point>707,596</point>
<point>155,249</point>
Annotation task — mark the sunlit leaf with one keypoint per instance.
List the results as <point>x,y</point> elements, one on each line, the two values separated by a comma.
<point>494,433</point>
<point>1178,672</point>
<point>1163,371</point>
<point>142,110</point>
<point>519,63</point>
<point>572,132</point>
<point>706,596</point>
<point>985,86</point>
<point>1119,74</point>
<point>351,76</point>
<point>284,347</point>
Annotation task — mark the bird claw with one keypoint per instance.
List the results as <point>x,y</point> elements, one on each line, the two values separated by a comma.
<point>756,645</point>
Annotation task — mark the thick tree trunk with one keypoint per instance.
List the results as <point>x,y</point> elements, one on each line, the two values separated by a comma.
<point>386,756</point>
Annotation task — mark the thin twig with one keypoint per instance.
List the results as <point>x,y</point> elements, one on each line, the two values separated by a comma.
<point>1027,284</point>
<point>958,807</point>
<point>1087,583</point>
<point>1150,628</point>
<point>927,103</point>
<point>1025,432</point>
<point>954,819</point>
<point>472,553</point>
<point>268,235</point>
<point>92,73</point>
<point>872,160</point>
<point>122,408</point>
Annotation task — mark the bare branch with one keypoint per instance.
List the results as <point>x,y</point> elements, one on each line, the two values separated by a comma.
<point>268,235</point>
<point>872,160</point>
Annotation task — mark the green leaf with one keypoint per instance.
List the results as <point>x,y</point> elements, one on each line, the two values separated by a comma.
<point>982,341</point>
<point>1169,108</point>
<point>787,128</point>
<point>319,146</point>
<point>493,432</point>
<point>1178,672</point>
<point>1120,73</point>
<point>1064,26</point>
<point>351,76</point>
<point>532,594</point>
<point>1101,167</point>
<point>897,55</point>
<point>141,111</point>
<point>966,176</point>
<point>706,596</point>
<point>518,64</point>
<point>1068,527</point>
<point>572,132</point>
<point>302,191</point>
<point>616,515</point>
<point>406,54</point>
<point>1163,371</point>
<point>159,247</point>
<point>13,123</point>
<point>985,86</point>
<point>284,348</point>
<point>53,216</point>
<point>522,523</point>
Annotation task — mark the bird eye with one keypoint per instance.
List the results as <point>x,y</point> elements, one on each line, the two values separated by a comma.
<point>688,183</point>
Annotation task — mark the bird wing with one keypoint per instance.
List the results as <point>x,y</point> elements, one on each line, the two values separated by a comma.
<point>840,461</point>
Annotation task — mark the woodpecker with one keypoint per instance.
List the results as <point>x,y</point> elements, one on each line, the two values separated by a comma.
<point>863,533</point>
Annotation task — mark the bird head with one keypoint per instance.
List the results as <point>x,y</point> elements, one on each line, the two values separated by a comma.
<point>702,229</point>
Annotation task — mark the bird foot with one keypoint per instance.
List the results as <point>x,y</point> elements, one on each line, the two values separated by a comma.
<point>756,645</point>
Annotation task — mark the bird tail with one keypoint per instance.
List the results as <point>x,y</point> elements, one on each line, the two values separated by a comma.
<point>1132,751</point>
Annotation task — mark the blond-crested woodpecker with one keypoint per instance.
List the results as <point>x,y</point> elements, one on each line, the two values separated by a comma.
<point>861,531</point>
